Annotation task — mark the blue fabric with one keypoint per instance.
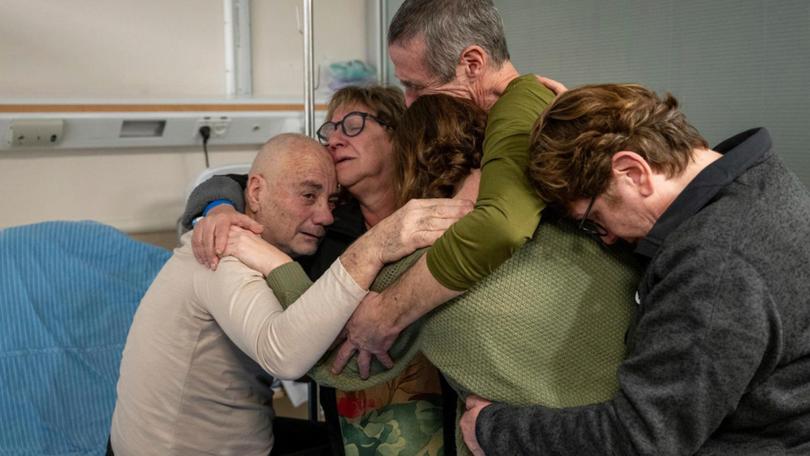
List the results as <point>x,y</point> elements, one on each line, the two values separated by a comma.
<point>68,291</point>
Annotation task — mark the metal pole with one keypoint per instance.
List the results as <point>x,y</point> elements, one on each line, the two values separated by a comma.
<point>382,55</point>
<point>309,130</point>
<point>309,71</point>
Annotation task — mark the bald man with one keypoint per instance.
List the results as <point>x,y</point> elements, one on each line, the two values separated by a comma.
<point>205,345</point>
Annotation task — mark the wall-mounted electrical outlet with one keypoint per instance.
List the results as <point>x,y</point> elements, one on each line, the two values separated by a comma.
<point>33,132</point>
<point>219,125</point>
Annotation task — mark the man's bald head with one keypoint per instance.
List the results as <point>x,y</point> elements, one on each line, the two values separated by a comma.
<point>290,187</point>
<point>283,151</point>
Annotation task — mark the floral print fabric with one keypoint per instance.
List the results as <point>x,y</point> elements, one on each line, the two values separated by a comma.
<point>402,417</point>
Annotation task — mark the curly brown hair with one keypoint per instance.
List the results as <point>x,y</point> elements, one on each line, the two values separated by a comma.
<point>574,140</point>
<point>438,142</point>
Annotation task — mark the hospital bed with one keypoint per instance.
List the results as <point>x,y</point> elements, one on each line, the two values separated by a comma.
<point>68,291</point>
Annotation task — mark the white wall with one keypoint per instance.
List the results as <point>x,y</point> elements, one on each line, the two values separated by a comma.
<point>339,34</point>
<point>141,51</point>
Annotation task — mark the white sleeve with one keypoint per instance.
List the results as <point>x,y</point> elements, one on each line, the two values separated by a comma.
<point>288,343</point>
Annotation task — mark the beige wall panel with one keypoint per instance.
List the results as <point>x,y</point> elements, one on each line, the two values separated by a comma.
<point>135,190</point>
<point>111,49</point>
<point>141,50</point>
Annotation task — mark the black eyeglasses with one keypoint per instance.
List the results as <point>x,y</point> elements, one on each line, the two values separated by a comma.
<point>351,124</point>
<point>589,226</point>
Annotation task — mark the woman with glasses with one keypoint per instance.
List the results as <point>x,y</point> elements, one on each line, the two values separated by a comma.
<point>545,328</point>
<point>358,135</point>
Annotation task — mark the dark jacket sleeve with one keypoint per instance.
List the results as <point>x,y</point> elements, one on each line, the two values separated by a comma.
<point>230,187</point>
<point>707,330</point>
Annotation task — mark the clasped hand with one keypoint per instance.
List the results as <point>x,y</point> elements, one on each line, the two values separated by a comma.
<point>368,333</point>
<point>210,237</point>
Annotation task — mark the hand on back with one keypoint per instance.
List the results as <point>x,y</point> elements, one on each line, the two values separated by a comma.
<point>473,406</point>
<point>558,88</point>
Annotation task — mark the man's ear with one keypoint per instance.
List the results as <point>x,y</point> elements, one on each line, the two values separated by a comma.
<point>473,60</point>
<point>631,168</point>
<point>256,186</point>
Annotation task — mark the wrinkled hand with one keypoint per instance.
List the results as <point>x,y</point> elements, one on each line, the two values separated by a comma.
<point>255,252</point>
<point>347,349</point>
<point>369,334</point>
<point>474,404</point>
<point>211,233</point>
<point>555,86</point>
<point>415,225</point>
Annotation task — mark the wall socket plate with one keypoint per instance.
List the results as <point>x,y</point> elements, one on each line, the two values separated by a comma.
<point>219,125</point>
<point>35,132</point>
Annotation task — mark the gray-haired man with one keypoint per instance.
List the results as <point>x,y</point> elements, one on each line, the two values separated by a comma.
<point>458,47</point>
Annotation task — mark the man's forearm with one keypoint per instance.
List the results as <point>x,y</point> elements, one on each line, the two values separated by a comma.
<point>415,294</point>
<point>362,260</point>
<point>415,225</point>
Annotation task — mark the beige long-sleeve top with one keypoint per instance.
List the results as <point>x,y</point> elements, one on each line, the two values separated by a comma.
<point>201,351</point>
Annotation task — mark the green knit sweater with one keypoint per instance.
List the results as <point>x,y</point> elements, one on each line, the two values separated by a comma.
<point>547,327</point>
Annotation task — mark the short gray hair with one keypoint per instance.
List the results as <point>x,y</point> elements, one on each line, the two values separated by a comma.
<point>448,27</point>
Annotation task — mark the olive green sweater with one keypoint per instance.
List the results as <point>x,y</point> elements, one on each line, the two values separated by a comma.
<point>507,208</point>
<point>547,327</point>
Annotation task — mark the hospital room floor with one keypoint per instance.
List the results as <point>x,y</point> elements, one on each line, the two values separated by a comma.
<point>168,240</point>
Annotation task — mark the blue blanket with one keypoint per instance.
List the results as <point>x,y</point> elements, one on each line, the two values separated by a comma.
<point>68,291</point>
